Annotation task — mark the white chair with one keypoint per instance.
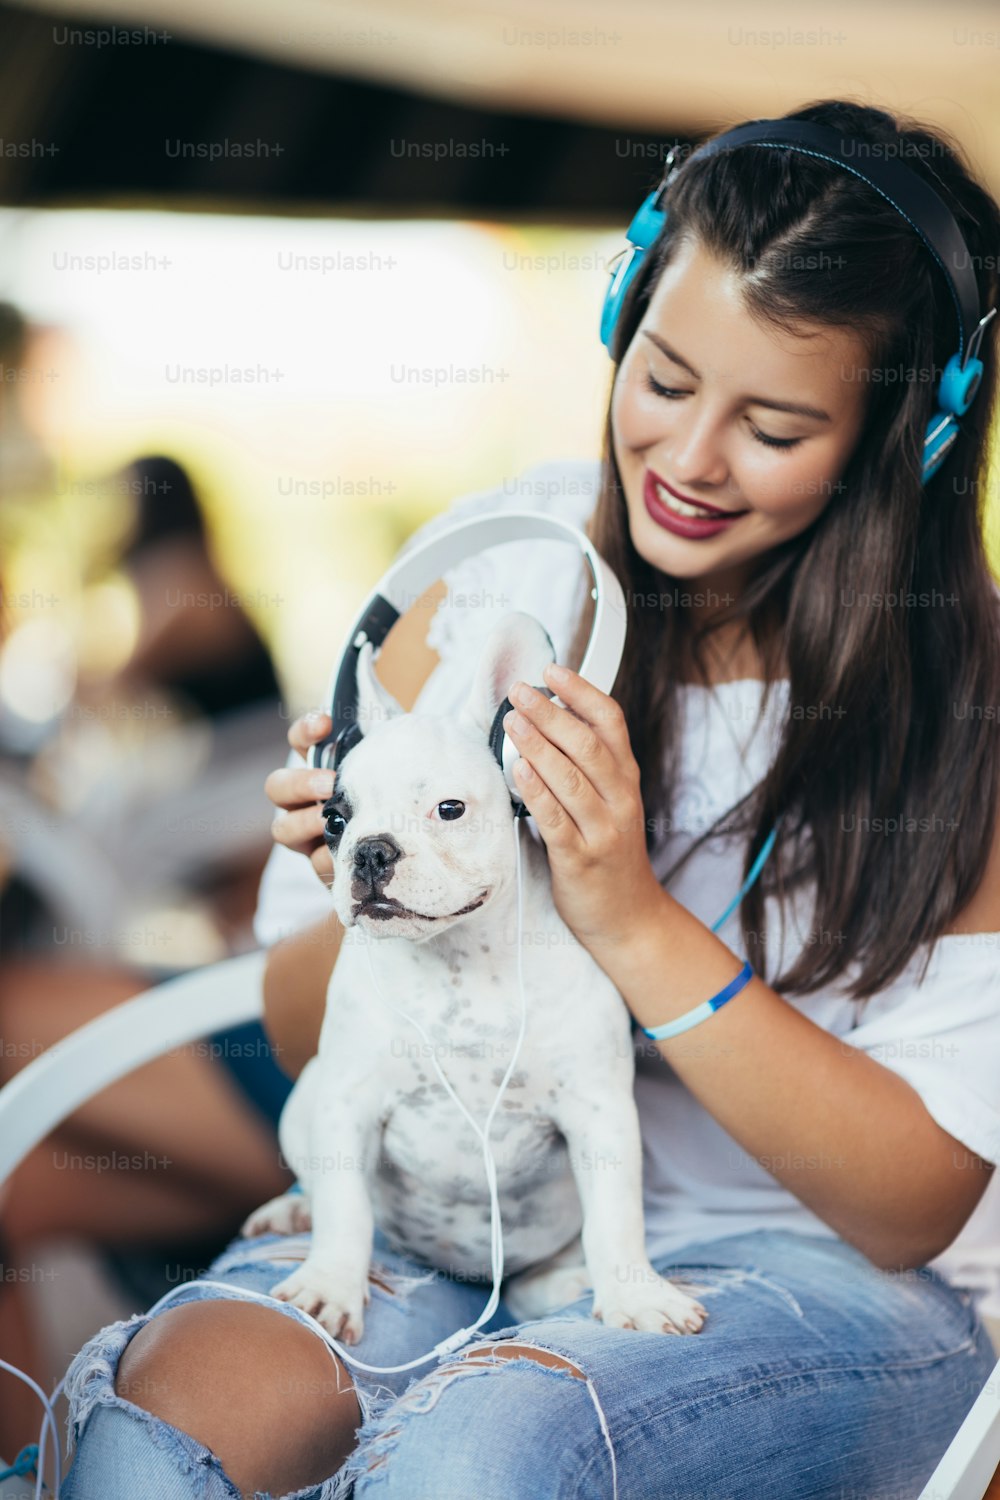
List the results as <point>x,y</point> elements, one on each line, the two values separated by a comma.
<point>226,994</point>
<point>157,1020</point>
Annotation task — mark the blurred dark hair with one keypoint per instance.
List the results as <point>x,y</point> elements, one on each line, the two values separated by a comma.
<point>165,501</point>
<point>897,749</point>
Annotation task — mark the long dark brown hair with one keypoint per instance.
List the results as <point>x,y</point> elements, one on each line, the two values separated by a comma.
<point>909,681</point>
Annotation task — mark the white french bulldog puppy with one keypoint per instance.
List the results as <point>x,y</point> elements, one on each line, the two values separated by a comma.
<point>422,832</point>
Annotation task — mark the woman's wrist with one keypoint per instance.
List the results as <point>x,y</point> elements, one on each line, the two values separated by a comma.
<point>666,941</point>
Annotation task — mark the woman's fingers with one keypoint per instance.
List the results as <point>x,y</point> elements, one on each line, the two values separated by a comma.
<point>322,862</point>
<point>295,786</point>
<point>298,786</point>
<point>309,728</point>
<point>298,793</point>
<point>299,830</point>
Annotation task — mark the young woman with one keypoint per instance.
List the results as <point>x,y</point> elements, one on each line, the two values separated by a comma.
<point>814,661</point>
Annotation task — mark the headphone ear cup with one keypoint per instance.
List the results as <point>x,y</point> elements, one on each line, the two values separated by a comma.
<point>498,736</point>
<point>498,742</point>
<point>959,385</point>
<point>954,396</point>
<point>621,280</point>
<point>641,233</point>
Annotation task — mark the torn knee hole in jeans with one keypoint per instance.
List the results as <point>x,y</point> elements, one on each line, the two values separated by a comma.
<point>423,1394</point>
<point>530,1351</point>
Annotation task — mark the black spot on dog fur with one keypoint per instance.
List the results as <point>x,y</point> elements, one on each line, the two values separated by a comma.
<point>517,1080</point>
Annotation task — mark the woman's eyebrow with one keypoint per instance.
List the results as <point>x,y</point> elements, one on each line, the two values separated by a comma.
<point>795,408</point>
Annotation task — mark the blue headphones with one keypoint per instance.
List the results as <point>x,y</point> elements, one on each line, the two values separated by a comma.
<point>908,193</point>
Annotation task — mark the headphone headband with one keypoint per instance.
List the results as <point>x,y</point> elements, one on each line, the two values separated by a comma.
<point>918,203</point>
<point>909,194</point>
<point>420,566</point>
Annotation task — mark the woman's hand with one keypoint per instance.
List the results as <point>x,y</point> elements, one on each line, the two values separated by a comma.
<point>583,792</point>
<point>299,794</point>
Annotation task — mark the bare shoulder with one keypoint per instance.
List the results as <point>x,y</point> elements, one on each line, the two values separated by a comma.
<point>982,913</point>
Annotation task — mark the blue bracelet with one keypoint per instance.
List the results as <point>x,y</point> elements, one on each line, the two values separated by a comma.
<point>703,1011</point>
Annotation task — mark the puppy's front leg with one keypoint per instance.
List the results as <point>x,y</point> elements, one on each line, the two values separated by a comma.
<point>332,1283</point>
<point>605,1149</point>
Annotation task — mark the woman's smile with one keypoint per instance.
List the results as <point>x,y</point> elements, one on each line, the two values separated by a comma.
<point>691,520</point>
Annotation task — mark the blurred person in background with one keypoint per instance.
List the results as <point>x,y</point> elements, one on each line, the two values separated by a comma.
<point>215,664</point>
<point>160,1168</point>
<point>196,645</point>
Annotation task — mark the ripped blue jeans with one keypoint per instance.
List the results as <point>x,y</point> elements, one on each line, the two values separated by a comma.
<point>816,1375</point>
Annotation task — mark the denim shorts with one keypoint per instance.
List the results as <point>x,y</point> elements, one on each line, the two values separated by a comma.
<point>816,1376</point>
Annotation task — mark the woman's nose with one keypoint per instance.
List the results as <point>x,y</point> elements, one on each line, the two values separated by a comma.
<point>698,456</point>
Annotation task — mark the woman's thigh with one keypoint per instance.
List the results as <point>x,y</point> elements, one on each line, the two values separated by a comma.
<point>122,1450</point>
<point>816,1375</point>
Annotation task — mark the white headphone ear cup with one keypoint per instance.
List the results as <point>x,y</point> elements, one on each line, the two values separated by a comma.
<point>503,747</point>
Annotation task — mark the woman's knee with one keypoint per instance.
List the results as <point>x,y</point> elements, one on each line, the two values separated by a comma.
<point>270,1400</point>
<point>462,1415</point>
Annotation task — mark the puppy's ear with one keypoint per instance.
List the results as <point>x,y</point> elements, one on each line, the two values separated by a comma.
<point>376,705</point>
<point>516,648</point>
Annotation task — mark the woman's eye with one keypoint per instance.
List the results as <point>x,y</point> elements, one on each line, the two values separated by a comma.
<point>661,390</point>
<point>773,442</point>
<point>762,437</point>
<point>450,809</point>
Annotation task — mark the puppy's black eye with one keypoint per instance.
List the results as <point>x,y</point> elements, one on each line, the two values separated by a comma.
<point>336,823</point>
<point>450,810</point>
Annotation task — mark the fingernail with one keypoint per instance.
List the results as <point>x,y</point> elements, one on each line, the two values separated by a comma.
<point>556,674</point>
<point>312,716</point>
<point>322,783</point>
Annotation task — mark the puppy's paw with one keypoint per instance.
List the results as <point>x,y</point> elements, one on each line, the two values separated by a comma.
<point>289,1214</point>
<point>648,1302</point>
<point>334,1298</point>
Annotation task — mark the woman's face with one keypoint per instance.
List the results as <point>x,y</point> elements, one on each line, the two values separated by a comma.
<point>701,385</point>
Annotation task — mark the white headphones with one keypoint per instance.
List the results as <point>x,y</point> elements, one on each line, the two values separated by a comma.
<point>411,575</point>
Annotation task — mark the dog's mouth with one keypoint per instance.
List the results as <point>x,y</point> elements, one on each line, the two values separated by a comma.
<point>382,908</point>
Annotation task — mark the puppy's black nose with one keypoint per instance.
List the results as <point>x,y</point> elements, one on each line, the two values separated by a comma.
<point>375,857</point>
